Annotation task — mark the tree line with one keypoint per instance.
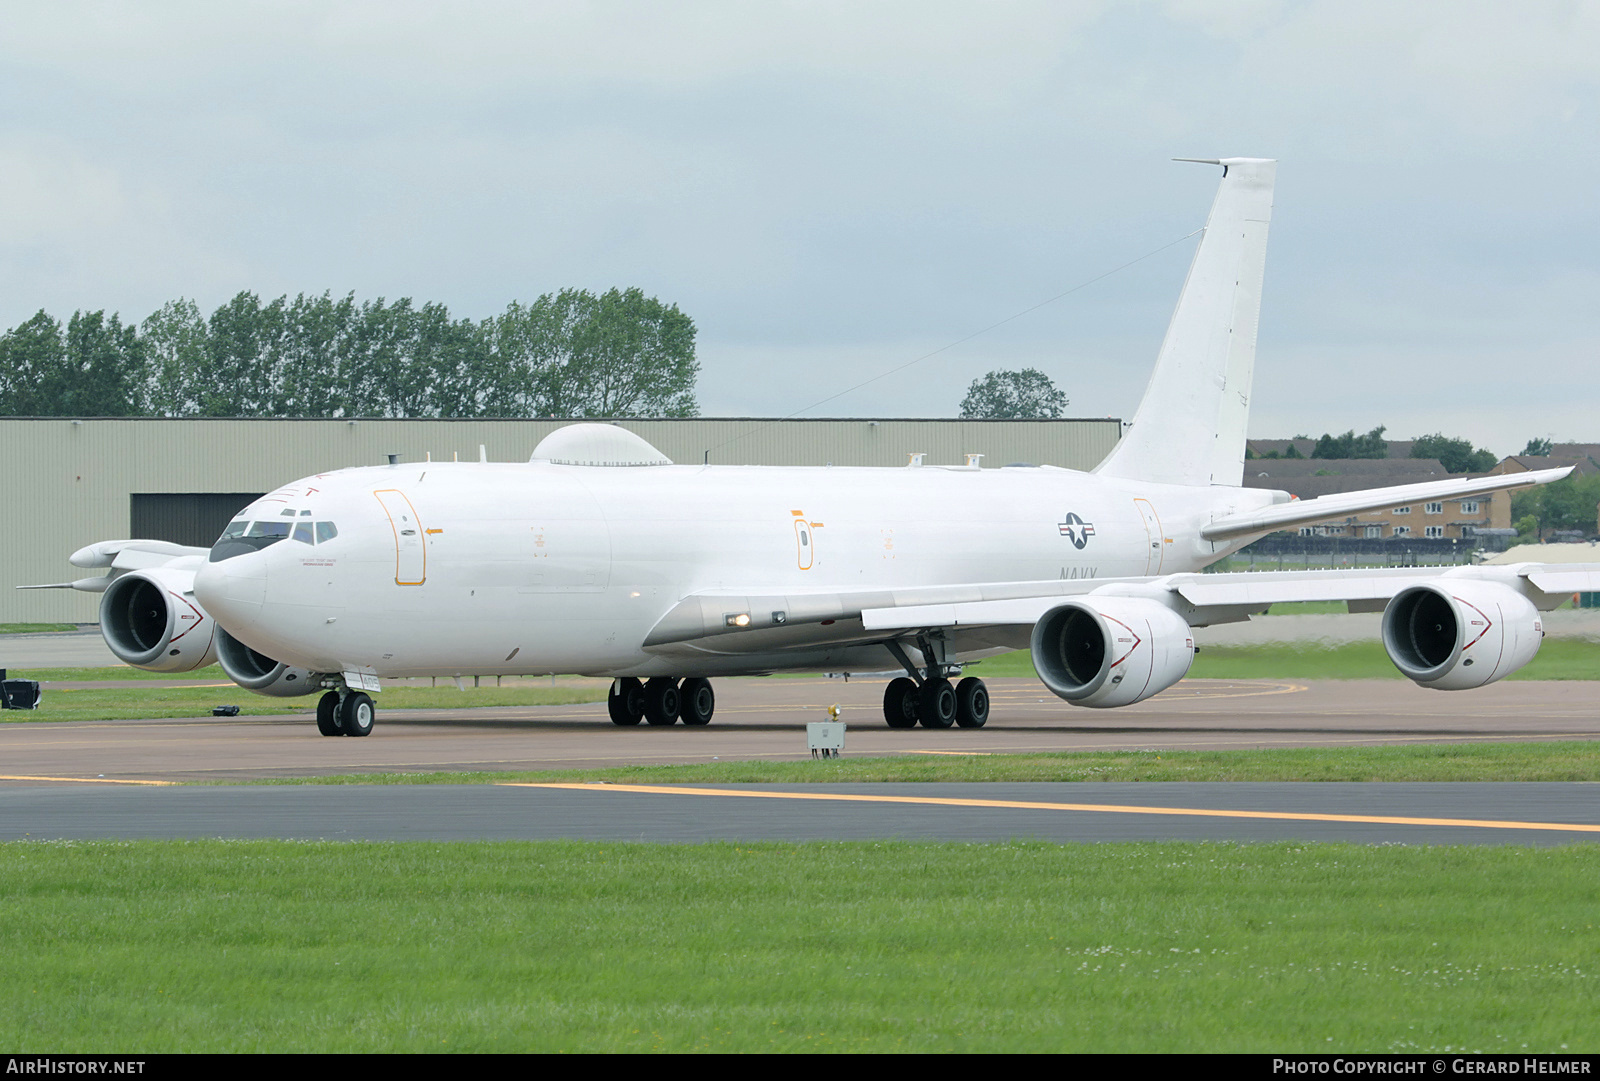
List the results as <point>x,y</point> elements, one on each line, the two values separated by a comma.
<point>1566,504</point>
<point>1456,455</point>
<point>567,354</point>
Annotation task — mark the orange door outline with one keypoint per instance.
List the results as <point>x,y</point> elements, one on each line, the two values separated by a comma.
<point>1155,552</point>
<point>410,547</point>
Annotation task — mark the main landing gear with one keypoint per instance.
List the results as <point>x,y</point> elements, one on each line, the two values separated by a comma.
<point>661,701</point>
<point>345,713</point>
<point>926,695</point>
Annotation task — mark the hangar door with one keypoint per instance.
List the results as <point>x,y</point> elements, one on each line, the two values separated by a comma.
<point>192,518</point>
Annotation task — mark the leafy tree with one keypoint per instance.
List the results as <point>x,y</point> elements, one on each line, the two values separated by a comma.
<point>311,356</point>
<point>1013,395</point>
<point>92,367</point>
<point>574,354</point>
<point>238,378</point>
<point>630,355</point>
<point>455,356</point>
<point>1573,502</point>
<point>31,355</point>
<point>1537,448</point>
<point>1456,455</point>
<point>571,354</point>
<point>1350,445</point>
<point>176,350</point>
<point>103,365</point>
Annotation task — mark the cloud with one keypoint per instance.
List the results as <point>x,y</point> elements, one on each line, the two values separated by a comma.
<point>823,185</point>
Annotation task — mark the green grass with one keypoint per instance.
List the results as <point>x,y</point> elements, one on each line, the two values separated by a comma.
<point>209,674</point>
<point>35,628</point>
<point>116,703</point>
<point>1568,760</point>
<point>1558,658</point>
<point>556,946</point>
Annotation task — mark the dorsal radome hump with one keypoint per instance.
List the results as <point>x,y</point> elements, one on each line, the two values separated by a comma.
<point>1190,427</point>
<point>596,444</point>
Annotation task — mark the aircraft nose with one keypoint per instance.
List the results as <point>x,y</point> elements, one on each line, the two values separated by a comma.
<point>233,590</point>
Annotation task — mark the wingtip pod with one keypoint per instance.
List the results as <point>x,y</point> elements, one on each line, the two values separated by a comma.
<point>1190,426</point>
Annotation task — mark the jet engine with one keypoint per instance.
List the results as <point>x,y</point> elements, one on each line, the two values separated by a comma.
<point>1453,635</point>
<point>1111,651</point>
<point>150,619</point>
<point>259,673</point>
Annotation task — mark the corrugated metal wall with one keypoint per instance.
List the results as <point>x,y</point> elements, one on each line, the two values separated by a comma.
<point>70,481</point>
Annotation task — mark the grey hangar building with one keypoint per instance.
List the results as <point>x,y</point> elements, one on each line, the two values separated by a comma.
<point>74,481</point>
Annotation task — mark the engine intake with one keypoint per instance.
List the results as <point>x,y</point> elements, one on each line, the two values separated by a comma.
<point>150,621</point>
<point>1453,635</point>
<point>259,673</point>
<point>1103,652</point>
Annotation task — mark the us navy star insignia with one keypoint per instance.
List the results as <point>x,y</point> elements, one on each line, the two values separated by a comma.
<point>1076,528</point>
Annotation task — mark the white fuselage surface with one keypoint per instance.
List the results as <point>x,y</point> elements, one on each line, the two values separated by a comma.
<point>446,568</point>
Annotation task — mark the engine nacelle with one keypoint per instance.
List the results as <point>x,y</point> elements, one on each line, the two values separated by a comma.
<point>1111,651</point>
<point>151,620</point>
<point>1455,634</point>
<point>259,673</point>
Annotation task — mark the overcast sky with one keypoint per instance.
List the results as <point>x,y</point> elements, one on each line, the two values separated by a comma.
<point>833,190</point>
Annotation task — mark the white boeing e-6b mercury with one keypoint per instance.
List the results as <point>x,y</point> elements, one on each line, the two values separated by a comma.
<point>599,556</point>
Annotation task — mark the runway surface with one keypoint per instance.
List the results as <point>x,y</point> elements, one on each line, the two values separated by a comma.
<point>765,719</point>
<point>125,779</point>
<point>1540,814</point>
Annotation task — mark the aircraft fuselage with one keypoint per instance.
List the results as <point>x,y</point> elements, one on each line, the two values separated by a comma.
<point>441,568</point>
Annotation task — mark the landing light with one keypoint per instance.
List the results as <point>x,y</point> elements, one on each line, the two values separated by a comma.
<point>740,620</point>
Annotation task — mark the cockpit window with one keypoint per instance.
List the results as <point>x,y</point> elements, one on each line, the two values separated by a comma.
<point>240,538</point>
<point>244,536</point>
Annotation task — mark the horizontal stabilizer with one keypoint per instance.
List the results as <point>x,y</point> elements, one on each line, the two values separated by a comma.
<point>1305,511</point>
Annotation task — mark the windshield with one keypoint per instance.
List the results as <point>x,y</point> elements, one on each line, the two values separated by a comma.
<point>242,537</point>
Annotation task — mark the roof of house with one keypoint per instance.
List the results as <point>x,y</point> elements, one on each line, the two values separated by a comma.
<point>1521,463</point>
<point>1580,552</point>
<point>1387,468</point>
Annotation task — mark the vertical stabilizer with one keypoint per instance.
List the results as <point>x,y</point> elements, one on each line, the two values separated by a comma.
<point>1190,427</point>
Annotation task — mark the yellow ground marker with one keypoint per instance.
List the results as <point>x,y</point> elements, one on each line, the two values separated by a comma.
<point>83,780</point>
<point>1101,808</point>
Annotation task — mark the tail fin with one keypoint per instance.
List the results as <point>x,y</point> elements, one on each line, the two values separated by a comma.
<point>1190,427</point>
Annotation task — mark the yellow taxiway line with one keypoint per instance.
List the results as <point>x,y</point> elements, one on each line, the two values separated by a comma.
<point>1100,808</point>
<point>83,780</point>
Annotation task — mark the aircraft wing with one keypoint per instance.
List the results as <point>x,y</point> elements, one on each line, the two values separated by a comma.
<point>1204,599</point>
<point>121,556</point>
<point>1304,511</point>
<point>743,621</point>
<point>808,618</point>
